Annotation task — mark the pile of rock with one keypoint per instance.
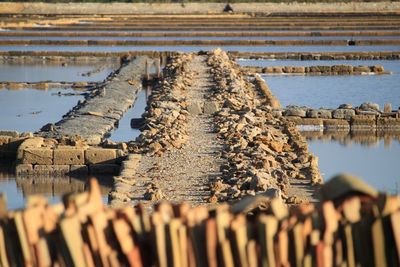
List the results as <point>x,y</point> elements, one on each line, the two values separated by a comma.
<point>344,111</point>
<point>166,115</point>
<point>262,152</point>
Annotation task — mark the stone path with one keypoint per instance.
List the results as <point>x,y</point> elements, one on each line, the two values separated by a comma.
<point>97,116</point>
<point>184,174</point>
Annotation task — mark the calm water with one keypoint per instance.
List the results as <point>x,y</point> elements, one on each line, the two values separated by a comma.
<point>90,72</point>
<point>378,165</point>
<point>29,109</point>
<point>332,91</point>
<point>18,189</point>
<point>197,48</point>
<point>124,132</point>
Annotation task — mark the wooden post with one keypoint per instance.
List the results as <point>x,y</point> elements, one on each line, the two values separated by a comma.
<point>147,70</point>
<point>158,67</point>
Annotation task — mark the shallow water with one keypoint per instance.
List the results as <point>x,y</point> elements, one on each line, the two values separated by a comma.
<point>197,48</point>
<point>332,91</point>
<point>18,189</point>
<point>89,72</point>
<point>29,109</point>
<point>125,132</point>
<point>378,165</point>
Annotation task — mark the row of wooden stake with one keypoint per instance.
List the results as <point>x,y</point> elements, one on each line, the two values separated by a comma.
<point>254,232</point>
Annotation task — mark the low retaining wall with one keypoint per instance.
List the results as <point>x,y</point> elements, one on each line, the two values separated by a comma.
<point>366,117</point>
<point>39,156</point>
<point>393,55</point>
<point>319,70</point>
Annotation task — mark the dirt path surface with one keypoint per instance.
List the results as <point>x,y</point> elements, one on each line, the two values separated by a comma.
<point>185,174</point>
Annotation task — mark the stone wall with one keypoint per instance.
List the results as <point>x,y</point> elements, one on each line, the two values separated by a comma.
<point>318,56</point>
<point>367,116</point>
<point>319,70</point>
<point>39,156</point>
<point>196,8</point>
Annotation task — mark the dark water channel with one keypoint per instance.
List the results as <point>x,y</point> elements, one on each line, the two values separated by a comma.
<point>125,132</point>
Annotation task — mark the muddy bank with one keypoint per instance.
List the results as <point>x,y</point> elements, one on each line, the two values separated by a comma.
<point>382,42</point>
<point>319,70</point>
<point>100,112</point>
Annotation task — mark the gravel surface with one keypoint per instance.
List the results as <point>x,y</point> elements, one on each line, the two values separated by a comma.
<point>184,174</point>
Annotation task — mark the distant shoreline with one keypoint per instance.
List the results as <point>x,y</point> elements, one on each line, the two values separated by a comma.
<point>269,8</point>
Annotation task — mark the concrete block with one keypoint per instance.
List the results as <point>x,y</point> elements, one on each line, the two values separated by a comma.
<point>100,155</point>
<point>104,169</point>
<point>43,156</point>
<point>309,121</point>
<point>79,170</point>
<point>69,156</point>
<point>388,123</point>
<point>34,142</point>
<point>23,169</point>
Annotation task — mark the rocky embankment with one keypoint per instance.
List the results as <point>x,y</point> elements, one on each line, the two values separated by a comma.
<point>262,152</point>
<point>166,115</point>
<point>210,136</point>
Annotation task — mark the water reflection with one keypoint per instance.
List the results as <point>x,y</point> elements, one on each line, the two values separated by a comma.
<point>374,157</point>
<point>363,138</point>
<point>17,189</point>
